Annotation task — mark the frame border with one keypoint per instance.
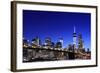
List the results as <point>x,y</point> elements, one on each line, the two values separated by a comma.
<point>14,30</point>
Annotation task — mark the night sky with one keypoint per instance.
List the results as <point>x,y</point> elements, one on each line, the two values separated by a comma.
<point>56,25</point>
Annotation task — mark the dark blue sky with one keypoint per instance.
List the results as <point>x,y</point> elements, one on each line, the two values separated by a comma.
<point>55,25</point>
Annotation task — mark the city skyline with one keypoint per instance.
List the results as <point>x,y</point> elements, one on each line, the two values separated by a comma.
<point>56,25</point>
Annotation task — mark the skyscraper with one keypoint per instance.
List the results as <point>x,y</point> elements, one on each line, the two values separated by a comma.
<point>25,42</point>
<point>48,41</point>
<point>36,41</point>
<point>58,45</point>
<point>74,37</point>
<point>61,41</point>
<point>80,41</point>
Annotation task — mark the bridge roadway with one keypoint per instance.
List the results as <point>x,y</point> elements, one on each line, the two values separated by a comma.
<point>48,53</point>
<point>51,54</point>
<point>51,49</point>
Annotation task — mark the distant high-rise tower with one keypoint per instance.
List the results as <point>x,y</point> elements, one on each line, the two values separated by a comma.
<point>74,37</point>
<point>61,41</point>
<point>48,41</point>
<point>36,41</point>
<point>80,42</point>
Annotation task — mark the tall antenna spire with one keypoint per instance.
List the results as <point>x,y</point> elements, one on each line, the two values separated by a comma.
<point>74,29</point>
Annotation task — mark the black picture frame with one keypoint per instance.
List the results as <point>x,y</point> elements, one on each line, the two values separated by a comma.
<point>14,34</point>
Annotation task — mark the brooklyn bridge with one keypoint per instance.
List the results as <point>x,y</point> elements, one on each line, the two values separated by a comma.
<point>50,51</point>
<point>31,54</point>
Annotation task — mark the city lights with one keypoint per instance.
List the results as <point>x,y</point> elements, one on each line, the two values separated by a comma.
<point>49,51</point>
